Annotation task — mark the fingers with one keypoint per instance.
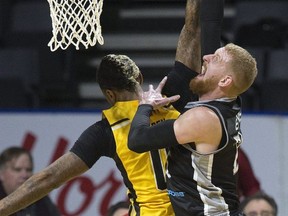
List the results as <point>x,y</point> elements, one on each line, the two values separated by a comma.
<point>154,97</point>
<point>165,101</point>
<point>174,98</point>
<point>161,85</point>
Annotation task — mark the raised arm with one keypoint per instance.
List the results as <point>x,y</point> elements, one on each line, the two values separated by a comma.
<point>188,57</point>
<point>200,36</point>
<point>201,33</point>
<point>188,62</point>
<point>188,50</point>
<point>43,182</point>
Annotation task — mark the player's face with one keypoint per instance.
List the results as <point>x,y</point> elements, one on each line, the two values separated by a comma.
<point>16,172</point>
<point>258,207</point>
<point>213,69</point>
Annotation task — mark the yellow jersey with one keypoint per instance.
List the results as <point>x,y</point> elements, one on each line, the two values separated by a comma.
<point>143,174</point>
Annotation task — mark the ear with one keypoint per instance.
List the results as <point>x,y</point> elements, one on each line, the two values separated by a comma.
<point>110,96</point>
<point>226,81</point>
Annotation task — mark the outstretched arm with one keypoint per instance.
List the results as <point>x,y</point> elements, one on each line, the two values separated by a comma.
<point>188,57</point>
<point>201,33</point>
<point>189,44</point>
<point>200,36</point>
<point>40,184</point>
<point>191,126</point>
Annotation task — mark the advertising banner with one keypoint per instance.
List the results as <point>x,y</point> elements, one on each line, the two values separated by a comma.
<point>51,134</point>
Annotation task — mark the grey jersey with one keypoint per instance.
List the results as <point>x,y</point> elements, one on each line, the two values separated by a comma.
<point>206,184</point>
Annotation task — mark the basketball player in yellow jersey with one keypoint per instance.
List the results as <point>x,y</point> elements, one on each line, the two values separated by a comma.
<point>118,77</point>
<point>143,174</point>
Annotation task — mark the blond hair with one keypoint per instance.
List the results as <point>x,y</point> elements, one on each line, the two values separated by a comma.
<point>244,67</point>
<point>118,72</point>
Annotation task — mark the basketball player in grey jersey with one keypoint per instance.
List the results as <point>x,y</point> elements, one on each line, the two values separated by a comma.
<point>204,140</point>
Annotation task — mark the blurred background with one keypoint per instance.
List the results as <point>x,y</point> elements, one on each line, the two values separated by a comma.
<point>31,76</point>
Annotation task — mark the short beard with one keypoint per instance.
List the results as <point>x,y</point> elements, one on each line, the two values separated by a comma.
<point>200,86</point>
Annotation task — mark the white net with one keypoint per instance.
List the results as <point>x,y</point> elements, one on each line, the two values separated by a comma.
<point>75,22</point>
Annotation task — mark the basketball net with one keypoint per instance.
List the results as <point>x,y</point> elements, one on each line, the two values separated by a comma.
<point>75,22</point>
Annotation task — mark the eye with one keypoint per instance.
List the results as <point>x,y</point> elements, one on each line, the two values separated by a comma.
<point>252,214</point>
<point>266,213</point>
<point>216,58</point>
<point>16,169</point>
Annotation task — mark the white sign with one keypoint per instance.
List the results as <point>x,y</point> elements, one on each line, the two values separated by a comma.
<point>50,135</point>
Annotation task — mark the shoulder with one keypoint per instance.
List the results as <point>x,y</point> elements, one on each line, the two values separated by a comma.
<point>201,114</point>
<point>99,128</point>
<point>198,124</point>
<point>96,139</point>
<point>205,118</point>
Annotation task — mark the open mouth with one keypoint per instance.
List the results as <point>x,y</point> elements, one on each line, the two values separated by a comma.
<point>203,70</point>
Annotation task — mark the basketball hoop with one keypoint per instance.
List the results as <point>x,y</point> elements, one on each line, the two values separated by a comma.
<point>75,22</point>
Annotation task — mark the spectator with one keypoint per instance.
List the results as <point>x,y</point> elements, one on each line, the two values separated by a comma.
<point>248,184</point>
<point>259,204</point>
<point>16,166</point>
<point>119,209</point>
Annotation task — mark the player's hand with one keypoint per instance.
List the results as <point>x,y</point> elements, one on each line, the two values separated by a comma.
<point>154,96</point>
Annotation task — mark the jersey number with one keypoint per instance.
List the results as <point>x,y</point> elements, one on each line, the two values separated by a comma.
<point>158,170</point>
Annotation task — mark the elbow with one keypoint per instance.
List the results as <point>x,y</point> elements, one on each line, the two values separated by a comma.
<point>136,150</point>
<point>134,144</point>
